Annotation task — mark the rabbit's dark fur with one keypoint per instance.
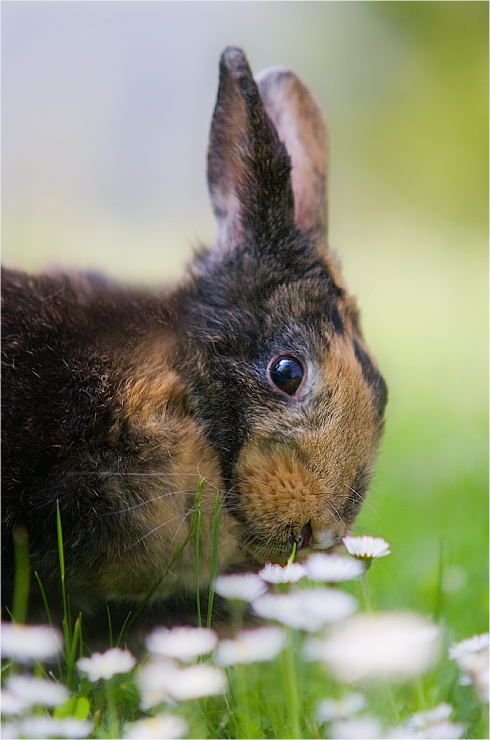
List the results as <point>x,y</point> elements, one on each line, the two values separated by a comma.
<point>114,402</point>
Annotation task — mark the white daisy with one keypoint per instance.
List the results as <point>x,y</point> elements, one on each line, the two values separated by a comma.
<point>9,731</point>
<point>290,573</point>
<point>333,568</point>
<point>308,609</point>
<point>347,706</point>
<point>365,726</point>
<point>162,726</point>
<point>196,681</point>
<point>29,643</point>
<point>396,646</point>
<point>251,646</point>
<point>366,547</point>
<point>472,657</point>
<point>37,690</point>
<point>184,643</point>
<point>105,665</point>
<point>439,731</point>
<point>440,713</point>
<point>240,586</point>
<point>41,727</point>
<point>154,680</point>
<point>163,680</point>
<point>468,646</point>
<point>13,704</point>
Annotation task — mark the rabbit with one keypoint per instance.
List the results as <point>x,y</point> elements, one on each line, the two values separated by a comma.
<point>251,373</point>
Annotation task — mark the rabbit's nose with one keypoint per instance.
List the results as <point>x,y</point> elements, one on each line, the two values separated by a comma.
<point>305,536</point>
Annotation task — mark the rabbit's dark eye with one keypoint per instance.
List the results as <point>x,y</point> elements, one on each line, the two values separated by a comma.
<point>287,374</point>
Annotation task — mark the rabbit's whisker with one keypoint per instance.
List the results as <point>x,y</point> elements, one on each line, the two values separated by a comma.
<point>108,473</point>
<point>155,529</point>
<point>362,498</point>
<point>150,501</point>
<point>334,511</point>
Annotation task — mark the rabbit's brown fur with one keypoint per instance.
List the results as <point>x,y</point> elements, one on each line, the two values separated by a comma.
<point>116,401</point>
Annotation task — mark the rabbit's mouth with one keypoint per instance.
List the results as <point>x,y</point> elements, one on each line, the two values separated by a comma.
<point>308,540</point>
<point>277,544</point>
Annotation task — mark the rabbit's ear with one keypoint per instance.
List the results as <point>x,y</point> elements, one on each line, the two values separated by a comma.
<point>248,167</point>
<point>300,126</point>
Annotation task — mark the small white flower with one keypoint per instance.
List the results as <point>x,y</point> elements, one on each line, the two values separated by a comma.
<point>184,643</point>
<point>421,720</point>
<point>240,586</point>
<point>468,646</point>
<point>165,681</point>
<point>333,568</point>
<point>366,547</point>
<point>290,573</point>
<point>347,706</point>
<point>472,657</point>
<point>365,726</point>
<point>439,731</point>
<point>12,704</point>
<point>154,680</point>
<point>396,646</point>
<point>251,646</point>
<point>308,609</point>
<point>9,731</point>
<point>28,643</point>
<point>164,726</point>
<point>196,681</point>
<point>105,665</point>
<point>41,727</point>
<point>37,690</point>
<point>480,677</point>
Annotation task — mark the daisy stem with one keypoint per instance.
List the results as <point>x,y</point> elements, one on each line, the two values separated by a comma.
<point>214,560</point>
<point>391,700</point>
<point>292,686</point>
<point>242,707</point>
<point>420,693</point>
<point>238,607</point>
<point>365,592</point>
<point>114,730</point>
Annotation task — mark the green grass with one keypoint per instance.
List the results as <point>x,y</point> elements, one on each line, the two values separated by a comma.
<point>274,699</point>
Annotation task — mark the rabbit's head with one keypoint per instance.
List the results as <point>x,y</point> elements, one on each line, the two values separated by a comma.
<point>288,394</point>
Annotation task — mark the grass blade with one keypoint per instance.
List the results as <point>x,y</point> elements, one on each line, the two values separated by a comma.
<point>21,583</point>
<point>197,517</point>
<point>61,556</point>
<point>214,559</point>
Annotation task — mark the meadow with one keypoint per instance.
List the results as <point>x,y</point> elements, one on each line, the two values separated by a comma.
<point>408,108</point>
<point>324,664</point>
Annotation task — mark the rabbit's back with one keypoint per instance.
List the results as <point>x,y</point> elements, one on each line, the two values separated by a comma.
<point>96,420</point>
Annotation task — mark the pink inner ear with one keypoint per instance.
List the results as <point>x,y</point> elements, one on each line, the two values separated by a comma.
<point>237,231</point>
<point>299,124</point>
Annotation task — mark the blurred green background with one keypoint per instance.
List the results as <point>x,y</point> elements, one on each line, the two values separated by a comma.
<point>105,116</point>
